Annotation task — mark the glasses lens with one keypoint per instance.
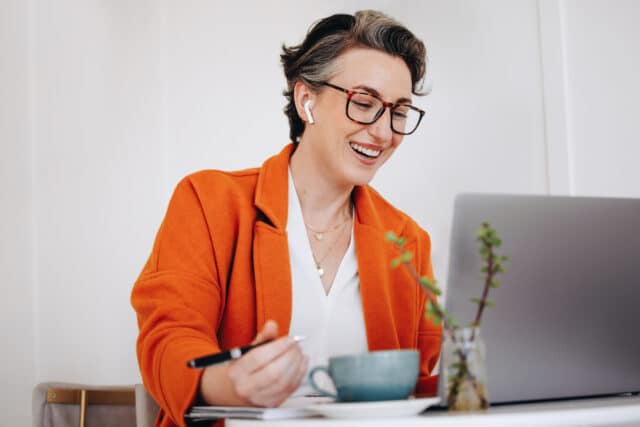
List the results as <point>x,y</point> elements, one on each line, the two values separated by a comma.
<point>367,109</point>
<point>405,119</point>
<point>364,108</point>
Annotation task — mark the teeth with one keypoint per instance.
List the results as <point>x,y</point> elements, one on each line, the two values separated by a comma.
<point>366,151</point>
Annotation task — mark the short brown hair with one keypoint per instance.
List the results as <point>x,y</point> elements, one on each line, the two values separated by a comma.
<point>313,60</point>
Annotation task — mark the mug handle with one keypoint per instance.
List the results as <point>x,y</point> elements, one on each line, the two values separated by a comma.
<point>313,384</point>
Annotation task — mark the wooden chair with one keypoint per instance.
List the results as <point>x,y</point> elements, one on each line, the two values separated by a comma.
<point>146,408</point>
<point>67,405</point>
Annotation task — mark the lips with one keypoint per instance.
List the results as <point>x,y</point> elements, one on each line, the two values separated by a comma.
<point>366,150</point>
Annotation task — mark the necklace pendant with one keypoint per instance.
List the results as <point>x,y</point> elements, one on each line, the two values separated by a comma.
<point>320,271</point>
<point>318,236</point>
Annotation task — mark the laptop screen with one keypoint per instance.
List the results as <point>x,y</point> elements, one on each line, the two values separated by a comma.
<point>565,315</point>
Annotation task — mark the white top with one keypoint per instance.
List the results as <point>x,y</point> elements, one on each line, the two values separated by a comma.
<point>333,324</point>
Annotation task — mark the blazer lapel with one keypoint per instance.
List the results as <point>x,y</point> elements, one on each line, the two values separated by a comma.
<point>272,270</point>
<point>272,277</point>
<point>373,269</point>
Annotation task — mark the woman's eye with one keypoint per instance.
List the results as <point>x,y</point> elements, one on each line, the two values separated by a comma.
<point>400,115</point>
<point>363,104</point>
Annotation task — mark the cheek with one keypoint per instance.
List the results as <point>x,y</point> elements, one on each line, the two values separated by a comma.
<point>351,131</point>
<point>337,126</point>
<point>396,140</point>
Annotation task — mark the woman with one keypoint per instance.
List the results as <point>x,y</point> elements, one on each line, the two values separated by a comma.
<point>295,247</point>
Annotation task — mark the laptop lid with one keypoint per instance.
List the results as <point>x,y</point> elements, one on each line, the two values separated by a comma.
<point>565,321</point>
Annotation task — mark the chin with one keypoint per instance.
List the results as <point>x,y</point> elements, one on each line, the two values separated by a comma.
<point>358,172</point>
<point>360,177</point>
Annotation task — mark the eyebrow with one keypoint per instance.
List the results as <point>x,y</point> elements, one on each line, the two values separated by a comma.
<point>376,93</point>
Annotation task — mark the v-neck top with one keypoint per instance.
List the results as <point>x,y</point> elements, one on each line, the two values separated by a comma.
<point>333,323</point>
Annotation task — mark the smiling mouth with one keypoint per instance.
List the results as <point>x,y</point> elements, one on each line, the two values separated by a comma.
<point>364,151</point>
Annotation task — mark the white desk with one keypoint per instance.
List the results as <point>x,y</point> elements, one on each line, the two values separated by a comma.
<point>612,411</point>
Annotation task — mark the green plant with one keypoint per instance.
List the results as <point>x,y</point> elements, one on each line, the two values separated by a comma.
<point>492,265</point>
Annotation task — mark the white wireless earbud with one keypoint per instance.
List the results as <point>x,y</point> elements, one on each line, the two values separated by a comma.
<point>307,111</point>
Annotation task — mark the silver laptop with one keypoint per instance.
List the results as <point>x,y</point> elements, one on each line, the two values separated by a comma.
<point>566,321</point>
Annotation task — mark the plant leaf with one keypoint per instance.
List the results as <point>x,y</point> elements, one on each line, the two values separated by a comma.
<point>430,285</point>
<point>436,320</point>
<point>487,303</point>
<point>396,262</point>
<point>426,281</point>
<point>391,236</point>
<point>432,313</point>
<point>452,322</point>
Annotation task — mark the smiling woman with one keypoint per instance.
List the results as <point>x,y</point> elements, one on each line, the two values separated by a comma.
<point>295,247</point>
<point>352,135</point>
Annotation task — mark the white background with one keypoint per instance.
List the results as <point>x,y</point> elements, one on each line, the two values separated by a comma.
<point>105,105</point>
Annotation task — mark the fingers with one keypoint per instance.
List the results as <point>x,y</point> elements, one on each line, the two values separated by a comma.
<point>299,376</point>
<point>269,332</point>
<point>261,356</point>
<point>303,370</point>
<point>267,375</point>
<point>280,371</point>
<point>276,382</point>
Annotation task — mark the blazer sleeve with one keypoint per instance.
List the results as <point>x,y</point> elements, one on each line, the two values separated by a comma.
<point>429,334</point>
<point>178,301</point>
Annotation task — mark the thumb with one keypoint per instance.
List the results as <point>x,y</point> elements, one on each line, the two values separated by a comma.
<point>269,331</point>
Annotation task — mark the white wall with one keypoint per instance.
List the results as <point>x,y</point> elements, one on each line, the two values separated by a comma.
<point>603,96</point>
<point>18,365</point>
<point>100,168</point>
<point>484,125</point>
<point>106,105</point>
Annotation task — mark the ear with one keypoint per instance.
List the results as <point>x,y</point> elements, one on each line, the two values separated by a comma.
<point>301,94</point>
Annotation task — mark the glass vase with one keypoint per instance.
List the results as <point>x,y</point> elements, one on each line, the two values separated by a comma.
<point>465,369</point>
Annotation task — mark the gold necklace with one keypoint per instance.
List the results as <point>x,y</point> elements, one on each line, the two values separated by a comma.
<point>321,260</point>
<point>319,235</point>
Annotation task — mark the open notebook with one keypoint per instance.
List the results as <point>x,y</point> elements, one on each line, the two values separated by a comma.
<point>295,407</point>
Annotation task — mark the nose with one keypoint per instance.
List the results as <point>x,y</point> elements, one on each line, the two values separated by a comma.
<point>381,128</point>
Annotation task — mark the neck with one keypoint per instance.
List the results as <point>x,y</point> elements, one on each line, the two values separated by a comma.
<point>323,201</point>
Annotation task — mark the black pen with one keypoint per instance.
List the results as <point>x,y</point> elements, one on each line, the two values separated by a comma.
<point>225,356</point>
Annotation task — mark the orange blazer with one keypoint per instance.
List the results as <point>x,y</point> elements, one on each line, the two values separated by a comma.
<point>219,270</point>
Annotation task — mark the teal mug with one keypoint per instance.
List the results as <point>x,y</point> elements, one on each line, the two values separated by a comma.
<point>377,375</point>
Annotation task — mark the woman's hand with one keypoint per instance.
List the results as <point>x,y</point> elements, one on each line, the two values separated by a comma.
<point>265,376</point>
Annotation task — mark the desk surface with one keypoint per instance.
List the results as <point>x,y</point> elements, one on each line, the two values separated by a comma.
<point>611,411</point>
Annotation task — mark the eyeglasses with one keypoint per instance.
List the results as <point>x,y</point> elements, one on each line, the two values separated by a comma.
<point>366,108</point>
